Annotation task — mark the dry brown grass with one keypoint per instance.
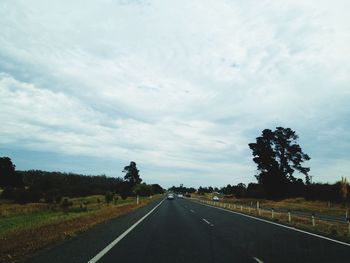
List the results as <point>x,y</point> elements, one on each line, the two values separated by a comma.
<point>20,243</point>
<point>293,204</point>
<point>9,209</point>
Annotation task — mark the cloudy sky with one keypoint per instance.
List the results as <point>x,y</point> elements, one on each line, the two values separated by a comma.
<point>180,87</point>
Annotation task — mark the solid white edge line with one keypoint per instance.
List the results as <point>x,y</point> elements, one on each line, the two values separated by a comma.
<point>119,238</point>
<point>273,223</point>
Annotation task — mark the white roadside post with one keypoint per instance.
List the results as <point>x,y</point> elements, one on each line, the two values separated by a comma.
<point>346,213</point>
<point>137,200</point>
<point>272,213</point>
<point>241,208</point>
<point>289,217</point>
<point>313,220</point>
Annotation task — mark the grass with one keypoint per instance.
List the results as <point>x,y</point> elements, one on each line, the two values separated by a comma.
<point>26,228</point>
<point>14,217</point>
<point>293,204</point>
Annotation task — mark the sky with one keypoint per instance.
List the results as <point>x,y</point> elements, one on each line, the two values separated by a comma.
<point>180,87</point>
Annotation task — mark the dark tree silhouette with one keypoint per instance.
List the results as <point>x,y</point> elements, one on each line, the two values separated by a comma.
<point>277,156</point>
<point>8,175</point>
<point>132,174</point>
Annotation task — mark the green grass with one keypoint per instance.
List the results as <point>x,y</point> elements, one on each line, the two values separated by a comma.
<point>31,220</point>
<point>28,216</point>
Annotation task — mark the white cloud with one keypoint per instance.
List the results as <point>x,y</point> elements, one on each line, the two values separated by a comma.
<point>178,86</point>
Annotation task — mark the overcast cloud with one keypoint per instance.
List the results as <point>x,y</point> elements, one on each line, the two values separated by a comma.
<point>180,87</point>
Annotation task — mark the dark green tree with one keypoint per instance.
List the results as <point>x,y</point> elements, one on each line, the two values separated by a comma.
<point>157,189</point>
<point>143,189</point>
<point>132,174</point>
<point>8,175</point>
<point>278,156</point>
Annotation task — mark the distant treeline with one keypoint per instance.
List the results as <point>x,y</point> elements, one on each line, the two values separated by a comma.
<point>35,185</point>
<point>313,191</point>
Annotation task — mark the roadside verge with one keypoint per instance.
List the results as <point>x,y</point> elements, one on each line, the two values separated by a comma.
<point>15,245</point>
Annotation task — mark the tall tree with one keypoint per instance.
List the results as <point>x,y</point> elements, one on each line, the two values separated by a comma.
<point>132,174</point>
<point>278,156</point>
<point>8,175</point>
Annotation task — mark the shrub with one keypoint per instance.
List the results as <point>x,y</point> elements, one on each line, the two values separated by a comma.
<point>109,197</point>
<point>65,204</point>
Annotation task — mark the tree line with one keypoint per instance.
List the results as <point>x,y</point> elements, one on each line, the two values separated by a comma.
<point>36,185</point>
<point>313,191</point>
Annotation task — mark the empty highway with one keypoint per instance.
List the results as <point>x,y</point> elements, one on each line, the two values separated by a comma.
<point>181,230</point>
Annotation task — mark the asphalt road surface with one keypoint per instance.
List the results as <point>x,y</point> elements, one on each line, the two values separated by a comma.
<point>181,230</point>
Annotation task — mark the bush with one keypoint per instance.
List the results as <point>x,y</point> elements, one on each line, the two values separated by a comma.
<point>65,204</point>
<point>109,197</point>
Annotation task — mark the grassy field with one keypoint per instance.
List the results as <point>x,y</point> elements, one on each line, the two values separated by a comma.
<point>14,217</point>
<point>293,204</point>
<point>26,228</point>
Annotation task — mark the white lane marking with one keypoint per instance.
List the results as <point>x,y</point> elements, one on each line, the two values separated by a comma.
<point>192,211</point>
<point>258,260</point>
<point>117,240</point>
<point>273,223</point>
<point>206,221</point>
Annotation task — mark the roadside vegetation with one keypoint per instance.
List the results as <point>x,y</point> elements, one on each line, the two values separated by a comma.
<point>38,208</point>
<point>26,228</point>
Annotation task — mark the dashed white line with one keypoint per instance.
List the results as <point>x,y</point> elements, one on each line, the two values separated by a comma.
<point>206,221</point>
<point>117,240</point>
<point>192,211</point>
<point>258,260</point>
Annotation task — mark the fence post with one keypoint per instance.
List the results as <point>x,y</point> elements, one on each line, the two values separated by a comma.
<point>289,217</point>
<point>313,220</point>
<point>272,213</point>
<point>346,213</point>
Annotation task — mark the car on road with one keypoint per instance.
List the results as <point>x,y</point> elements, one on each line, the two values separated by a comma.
<point>180,196</point>
<point>215,198</point>
<point>170,196</point>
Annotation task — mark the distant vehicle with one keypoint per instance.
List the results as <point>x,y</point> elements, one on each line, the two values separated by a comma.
<point>215,198</point>
<point>170,196</point>
<point>180,196</point>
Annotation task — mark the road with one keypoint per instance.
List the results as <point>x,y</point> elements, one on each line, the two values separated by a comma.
<point>181,230</point>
